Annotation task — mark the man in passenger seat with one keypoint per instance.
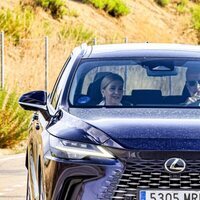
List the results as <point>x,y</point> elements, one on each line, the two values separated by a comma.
<point>193,84</point>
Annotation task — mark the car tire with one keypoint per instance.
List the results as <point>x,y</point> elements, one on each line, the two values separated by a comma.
<point>27,188</point>
<point>41,186</point>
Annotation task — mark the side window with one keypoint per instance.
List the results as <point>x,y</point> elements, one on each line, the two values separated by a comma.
<point>59,86</point>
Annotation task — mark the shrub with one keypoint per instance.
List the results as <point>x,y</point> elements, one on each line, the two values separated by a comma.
<point>196,17</point>
<point>162,2</point>
<point>57,7</point>
<point>181,6</point>
<point>76,32</point>
<point>16,23</point>
<point>72,13</point>
<point>13,120</point>
<point>196,1</point>
<point>115,8</point>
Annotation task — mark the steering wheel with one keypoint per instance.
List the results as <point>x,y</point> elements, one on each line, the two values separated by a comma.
<point>193,102</point>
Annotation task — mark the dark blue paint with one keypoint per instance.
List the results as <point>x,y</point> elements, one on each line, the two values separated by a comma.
<point>152,129</point>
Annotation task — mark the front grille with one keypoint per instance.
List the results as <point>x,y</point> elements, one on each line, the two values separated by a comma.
<point>150,174</point>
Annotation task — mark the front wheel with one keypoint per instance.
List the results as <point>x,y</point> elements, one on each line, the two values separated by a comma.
<point>27,188</point>
<point>41,186</point>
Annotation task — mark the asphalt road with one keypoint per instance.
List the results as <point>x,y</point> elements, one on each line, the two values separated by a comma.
<point>12,177</point>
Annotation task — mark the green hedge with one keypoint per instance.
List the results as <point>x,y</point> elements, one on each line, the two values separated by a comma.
<point>162,3</point>
<point>115,8</point>
<point>14,120</point>
<point>196,17</point>
<point>57,7</point>
<point>16,23</point>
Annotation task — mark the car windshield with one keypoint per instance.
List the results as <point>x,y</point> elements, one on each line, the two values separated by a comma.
<point>138,82</point>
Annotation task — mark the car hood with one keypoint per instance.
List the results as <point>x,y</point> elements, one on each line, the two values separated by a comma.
<point>142,129</point>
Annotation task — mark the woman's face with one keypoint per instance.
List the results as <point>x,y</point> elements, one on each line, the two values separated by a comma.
<point>113,93</point>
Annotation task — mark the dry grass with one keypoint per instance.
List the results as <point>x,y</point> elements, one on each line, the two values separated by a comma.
<point>25,67</point>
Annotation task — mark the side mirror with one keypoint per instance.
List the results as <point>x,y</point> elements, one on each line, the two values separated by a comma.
<point>35,101</point>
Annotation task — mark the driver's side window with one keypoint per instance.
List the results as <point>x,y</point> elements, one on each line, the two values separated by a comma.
<point>59,86</point>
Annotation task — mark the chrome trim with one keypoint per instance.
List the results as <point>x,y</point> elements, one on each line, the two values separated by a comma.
<point>175,165</point>
<point>34,105</point>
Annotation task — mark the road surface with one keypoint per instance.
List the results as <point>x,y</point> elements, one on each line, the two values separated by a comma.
<point>12,177</point>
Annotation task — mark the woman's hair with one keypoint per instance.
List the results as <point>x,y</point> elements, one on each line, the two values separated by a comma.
<point>109,78</point>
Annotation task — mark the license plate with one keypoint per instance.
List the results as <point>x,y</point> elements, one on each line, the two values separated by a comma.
<point>169,195</point>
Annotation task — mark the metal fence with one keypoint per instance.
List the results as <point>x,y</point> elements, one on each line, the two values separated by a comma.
<point>2,59</point>
<point>35,63</point>
<point>24,65</point>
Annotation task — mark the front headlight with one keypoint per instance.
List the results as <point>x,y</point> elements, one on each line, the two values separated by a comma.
<point>77,150</point>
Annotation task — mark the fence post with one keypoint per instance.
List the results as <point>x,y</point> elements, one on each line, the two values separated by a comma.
<point>126,40</point>
<point>95,41</point>
<point>2,60</point>
<point>46,63</point>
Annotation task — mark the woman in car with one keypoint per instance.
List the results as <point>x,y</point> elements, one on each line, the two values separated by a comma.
<point>112,90</point>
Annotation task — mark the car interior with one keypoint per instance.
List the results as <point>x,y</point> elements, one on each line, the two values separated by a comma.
<point>138,97</point>
<point>155,83</point>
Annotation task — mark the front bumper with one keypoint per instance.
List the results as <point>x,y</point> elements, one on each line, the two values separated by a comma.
<point>120,179</point>
<point>90,179</point>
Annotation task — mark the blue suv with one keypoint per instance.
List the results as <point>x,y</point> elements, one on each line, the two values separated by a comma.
<point>122,122</point>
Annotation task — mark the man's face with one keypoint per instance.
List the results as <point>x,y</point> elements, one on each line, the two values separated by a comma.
<point>193,83</point>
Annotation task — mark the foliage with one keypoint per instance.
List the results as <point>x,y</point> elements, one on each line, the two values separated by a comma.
<point>162,3</point>
<point>181,6</point>
<point>13,120</point>
<point>47,27</point>
<point>196,1</point>
<point>72,13</point>
<point>77,33</point>
<point>196,17</point>
<point>57,7</point>
<point>115,8</point>
<point>16,23</point>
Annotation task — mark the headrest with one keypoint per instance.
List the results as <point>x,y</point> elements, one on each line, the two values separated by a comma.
<point>100,76</point>
<point>94,89</point>
<point>146,96</point>
<point>146,92</point>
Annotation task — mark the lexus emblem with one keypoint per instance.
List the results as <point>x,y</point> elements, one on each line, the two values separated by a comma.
<point>175,165</point>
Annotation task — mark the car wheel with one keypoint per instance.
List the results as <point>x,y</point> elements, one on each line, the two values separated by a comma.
<point>27,188</point>
<point>41,186</point>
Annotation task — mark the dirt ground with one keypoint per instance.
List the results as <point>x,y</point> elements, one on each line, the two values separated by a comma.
<point>20,148</point>
<point>6,152</point>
